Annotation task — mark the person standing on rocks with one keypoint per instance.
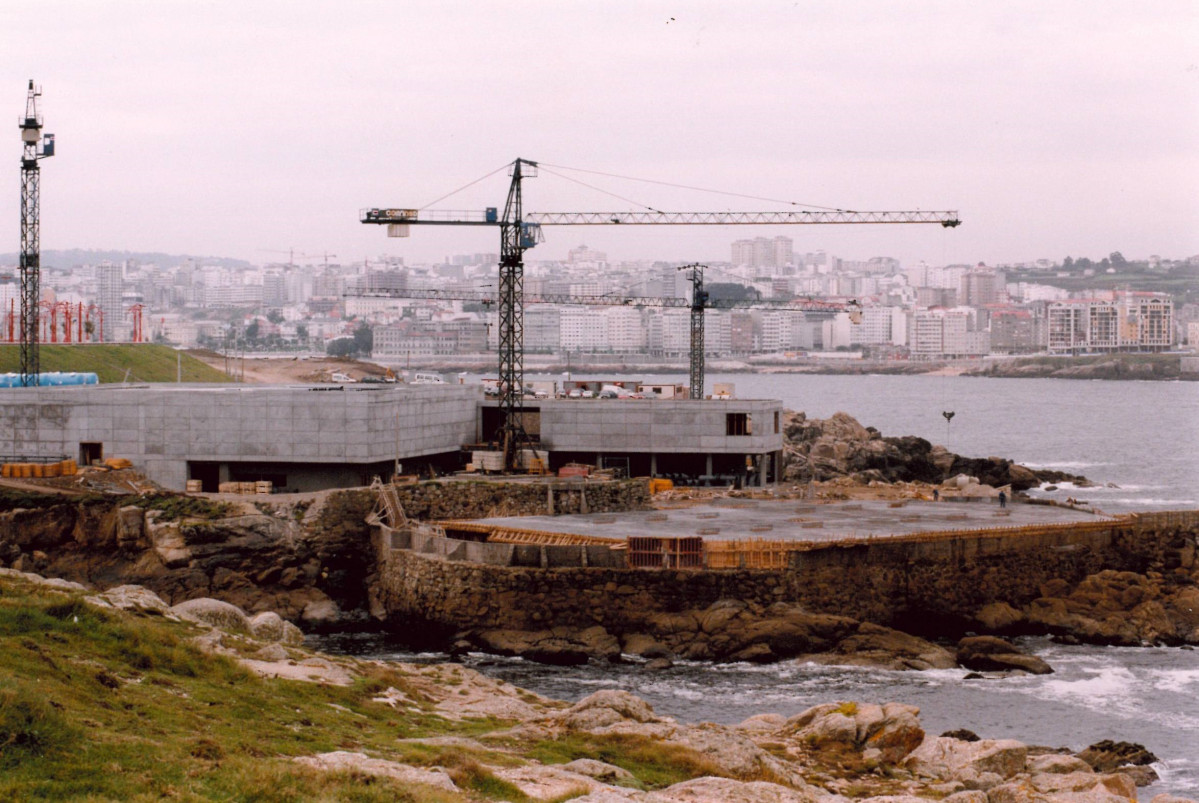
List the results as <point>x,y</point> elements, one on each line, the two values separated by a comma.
<point>1002,499</point>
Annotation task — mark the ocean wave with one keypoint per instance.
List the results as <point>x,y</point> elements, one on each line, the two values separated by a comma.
<point>1111,687</point>
<point>1065,465</point>
<point>1133,500</point>
<point>1174,680</point>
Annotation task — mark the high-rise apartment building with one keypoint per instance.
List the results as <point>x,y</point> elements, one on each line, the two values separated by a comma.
<point>110,288</point>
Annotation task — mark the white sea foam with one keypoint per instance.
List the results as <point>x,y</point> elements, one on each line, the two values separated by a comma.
<point>1175,680</point>
<point>1065,465</point>
<point>1108,687</point>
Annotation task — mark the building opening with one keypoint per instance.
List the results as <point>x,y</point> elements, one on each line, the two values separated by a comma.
<point>90,452</point>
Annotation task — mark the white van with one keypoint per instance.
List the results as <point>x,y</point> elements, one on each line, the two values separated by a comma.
<point>427,379</point>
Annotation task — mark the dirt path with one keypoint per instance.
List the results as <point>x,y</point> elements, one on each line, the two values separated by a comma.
<point>284,370</point>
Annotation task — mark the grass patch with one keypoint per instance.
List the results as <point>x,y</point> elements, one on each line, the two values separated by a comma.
<point>172,507</point>
<point>142,362</point>
<point>103,706</point>
<point>655,765</point>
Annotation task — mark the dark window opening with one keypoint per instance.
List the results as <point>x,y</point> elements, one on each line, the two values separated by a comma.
<point>738,424</point>
<point>776,422</point>
<point>90,453</point>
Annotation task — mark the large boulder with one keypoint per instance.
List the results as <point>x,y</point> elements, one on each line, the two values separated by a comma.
<point>270,626</point>
<point>891,731</point>
<point>1107,755</point>
<point>606,708</point>
<point>875,645</point>
<point>950,759</point>
<point>992,654</point>
<point>130,598</point>
<point>214,613</point>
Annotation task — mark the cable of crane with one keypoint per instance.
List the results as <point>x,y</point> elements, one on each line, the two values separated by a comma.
<point>467,186</point>
<point>599,189</point>
<point>697,189</point>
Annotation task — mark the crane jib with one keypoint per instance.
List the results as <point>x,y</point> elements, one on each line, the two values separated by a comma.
<point>948,219</point>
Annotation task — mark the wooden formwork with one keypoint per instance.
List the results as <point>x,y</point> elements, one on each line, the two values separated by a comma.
<point>753,553</point>
<point>512,535</point>
<point>650,552</point>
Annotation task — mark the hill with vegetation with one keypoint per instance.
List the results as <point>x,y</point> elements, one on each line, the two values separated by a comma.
<point>64,259</point>
<point>112,362</point>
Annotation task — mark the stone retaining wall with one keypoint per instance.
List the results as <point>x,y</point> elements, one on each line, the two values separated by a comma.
<point>889,581</point>
<point>466,499</point>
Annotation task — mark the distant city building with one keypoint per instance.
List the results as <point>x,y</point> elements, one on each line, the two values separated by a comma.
<point>1130,321</point>
<point>763,252</point>
<point>947,334</point>
<point>1016,331</point>
<point>110,288</point>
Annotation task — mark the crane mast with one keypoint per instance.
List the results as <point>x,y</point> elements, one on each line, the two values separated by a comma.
<point>31,138</point>
<point>520,231</point>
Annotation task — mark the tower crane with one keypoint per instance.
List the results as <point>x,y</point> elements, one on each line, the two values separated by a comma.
<point>520,231</point>
<point>36,146</point>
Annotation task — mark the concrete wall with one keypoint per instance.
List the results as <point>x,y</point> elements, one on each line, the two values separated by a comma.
<point>659,425</point>
<point>162,427</point>
<point>895,581</point>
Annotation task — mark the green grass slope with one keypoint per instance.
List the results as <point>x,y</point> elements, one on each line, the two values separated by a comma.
<point>98,705</point>
<point>104,705</point>
<point>144,362</point>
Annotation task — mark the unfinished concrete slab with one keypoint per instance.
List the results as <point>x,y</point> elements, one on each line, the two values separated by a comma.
<point>732,519</point>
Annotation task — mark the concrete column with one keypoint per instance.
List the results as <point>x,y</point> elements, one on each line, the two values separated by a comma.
<point>583,501</point>
<point>763,464</point>
<point>549,498</point>
<point>223,472</point>
<point>709,471</point>
<point>653,464</point>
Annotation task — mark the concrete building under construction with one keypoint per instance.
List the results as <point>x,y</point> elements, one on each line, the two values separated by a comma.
<point>310,437</point>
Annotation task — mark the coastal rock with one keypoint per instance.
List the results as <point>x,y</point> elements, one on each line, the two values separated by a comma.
<point>344,761</point>
<point>130,597</point>
<point>839,446</point>
<point>1107,755</point>
<point>214,613</point>
<point>600,771</point>
<point>45,582</point>
<point>875,645</point>
<point>270,626</point>
<point>645,646</point>
<point>1074,782</point>
<point>726,790</point>
<point>606,708</point>
<point>320,613</point>
<point>999,617</point>
<point>952,759</point>
<point>1119,608</point>
<point>891,730</point>
<point>559,646</point>
<point>1056,763</point>
<point>992,654</point>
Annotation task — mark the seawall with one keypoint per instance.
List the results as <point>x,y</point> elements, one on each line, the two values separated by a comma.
<point>912,582</point>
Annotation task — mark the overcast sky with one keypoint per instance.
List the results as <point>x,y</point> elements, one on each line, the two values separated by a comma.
<point>241,128</point>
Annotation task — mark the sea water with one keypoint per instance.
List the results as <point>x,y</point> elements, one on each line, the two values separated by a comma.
<point>1137,441</point>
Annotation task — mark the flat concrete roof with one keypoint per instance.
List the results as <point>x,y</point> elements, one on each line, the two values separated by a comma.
<point>794,520</point>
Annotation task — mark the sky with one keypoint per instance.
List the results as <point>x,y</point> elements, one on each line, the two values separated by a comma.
<point>248,129</point>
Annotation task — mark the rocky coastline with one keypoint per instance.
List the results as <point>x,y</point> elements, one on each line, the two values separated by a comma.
<point>467,737</point>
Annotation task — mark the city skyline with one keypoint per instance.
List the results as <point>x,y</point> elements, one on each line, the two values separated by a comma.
<point>1070,129</point>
